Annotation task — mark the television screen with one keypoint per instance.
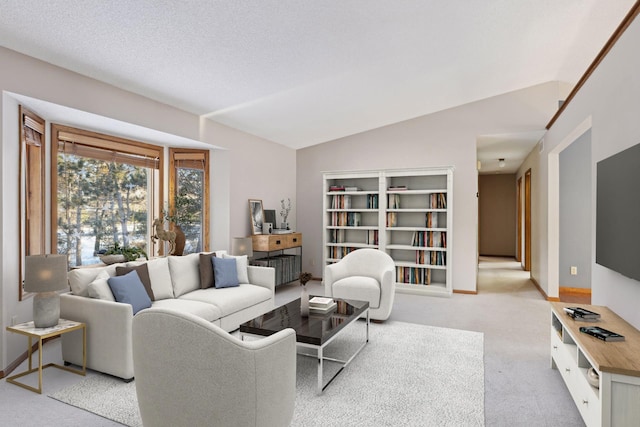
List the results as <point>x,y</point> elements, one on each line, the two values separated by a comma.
<point>618,212</point>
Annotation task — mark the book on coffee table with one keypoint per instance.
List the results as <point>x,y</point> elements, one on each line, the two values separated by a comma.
<point>322,310</point>
<point>321,302</point>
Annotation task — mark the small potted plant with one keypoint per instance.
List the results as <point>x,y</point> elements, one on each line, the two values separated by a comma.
<point>117,253</point>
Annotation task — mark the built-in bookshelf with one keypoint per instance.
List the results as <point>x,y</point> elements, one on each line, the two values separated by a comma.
<point>405,213</point>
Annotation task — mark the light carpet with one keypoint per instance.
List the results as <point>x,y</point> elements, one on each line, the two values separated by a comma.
<point>408,375</point>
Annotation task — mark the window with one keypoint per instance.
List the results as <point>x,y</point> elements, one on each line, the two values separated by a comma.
<point>188,193</point>
<point>104,190</point>
<point>32,187</point>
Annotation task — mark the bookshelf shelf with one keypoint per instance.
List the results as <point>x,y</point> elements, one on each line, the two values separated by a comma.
<point>404,212</point>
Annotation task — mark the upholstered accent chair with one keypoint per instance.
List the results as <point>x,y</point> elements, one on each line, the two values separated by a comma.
<point>366,275</point>
<point>189,372</point>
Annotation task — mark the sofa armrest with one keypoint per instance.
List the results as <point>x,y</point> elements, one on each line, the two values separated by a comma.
<point>262,276</point>
<point>333,273</point>
<point>108,334</point>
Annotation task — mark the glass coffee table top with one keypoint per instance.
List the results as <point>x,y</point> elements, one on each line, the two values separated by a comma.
<point>316,329</point>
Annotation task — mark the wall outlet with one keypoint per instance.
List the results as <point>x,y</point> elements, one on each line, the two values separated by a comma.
<point>574,270</point>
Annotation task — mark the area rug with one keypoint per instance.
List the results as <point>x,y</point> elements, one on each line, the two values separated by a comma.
<point>408,375</point>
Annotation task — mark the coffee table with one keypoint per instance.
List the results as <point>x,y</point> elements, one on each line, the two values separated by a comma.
<point>315,331</point>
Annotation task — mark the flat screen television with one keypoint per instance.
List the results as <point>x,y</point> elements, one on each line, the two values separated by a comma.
<point>618,212</point>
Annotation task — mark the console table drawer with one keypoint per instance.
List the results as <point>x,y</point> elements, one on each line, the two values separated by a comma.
<point>276,242</point>
<point>294,240</point>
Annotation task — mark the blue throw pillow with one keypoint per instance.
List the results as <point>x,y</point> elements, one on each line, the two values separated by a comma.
<point>225,272</point>
<point>130,290</point>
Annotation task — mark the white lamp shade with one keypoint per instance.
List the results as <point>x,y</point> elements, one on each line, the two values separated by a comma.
<point>45,273</point>
<point>242,246</point>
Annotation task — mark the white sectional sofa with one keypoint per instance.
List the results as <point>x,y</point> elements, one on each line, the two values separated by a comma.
<point>176,284</point>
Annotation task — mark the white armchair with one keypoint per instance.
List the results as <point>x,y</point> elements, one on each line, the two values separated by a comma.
<point>365,275</point>
<point>190,372</point>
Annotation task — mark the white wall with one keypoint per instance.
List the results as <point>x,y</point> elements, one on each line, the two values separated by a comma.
<point>447,138</point>
<point>609,105</point>
<point>245,166</point>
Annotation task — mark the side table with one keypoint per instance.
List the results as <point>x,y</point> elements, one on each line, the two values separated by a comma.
<point>41,334</point>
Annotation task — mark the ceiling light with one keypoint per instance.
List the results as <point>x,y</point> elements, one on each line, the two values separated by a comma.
<point>501,163</point>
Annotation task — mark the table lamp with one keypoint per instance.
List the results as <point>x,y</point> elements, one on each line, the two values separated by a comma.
<point>44,275</point>
<point>242,246</point>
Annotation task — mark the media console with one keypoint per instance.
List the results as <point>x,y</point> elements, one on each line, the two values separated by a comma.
<point>616,402</point>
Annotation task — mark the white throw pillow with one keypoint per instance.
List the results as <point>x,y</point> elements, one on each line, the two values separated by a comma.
<point>79,278</point>
<point>185,273</point>
<point>99,288</point>
<point>160,277</point>
<point>241,265</point>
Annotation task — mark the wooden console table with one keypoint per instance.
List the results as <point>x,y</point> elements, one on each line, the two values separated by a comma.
<point>615,401</point>
<point>288,266</point>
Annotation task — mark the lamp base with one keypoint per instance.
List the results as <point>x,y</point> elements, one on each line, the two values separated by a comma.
<point>46,309</point>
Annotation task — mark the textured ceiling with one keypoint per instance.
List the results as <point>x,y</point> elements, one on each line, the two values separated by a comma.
<point>302,72</point>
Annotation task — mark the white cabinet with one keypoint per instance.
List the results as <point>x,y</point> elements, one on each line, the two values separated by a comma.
<point>404,212</point>
<point>616,402</point>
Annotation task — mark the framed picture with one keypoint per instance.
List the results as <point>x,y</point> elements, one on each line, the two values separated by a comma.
<point>256,216</point>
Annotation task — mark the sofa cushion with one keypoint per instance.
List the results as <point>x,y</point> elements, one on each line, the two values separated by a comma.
<point>185,274</point>
<point>79,278</point>
<point>208,312</point>
<point>160,278</point>
<point>143,275</point>
<point>231,300</point>
<point>359,288</point>
<point>99,288</point>
<point>207,279</point>
<point>130,290</point>
<point>241,266</point>
<point>225,271</point>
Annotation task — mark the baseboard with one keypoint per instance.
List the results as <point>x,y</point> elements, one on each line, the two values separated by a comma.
<point>459,291</point>
<point>13,365</point>
<point>580,291</point>
<point>543,293</point>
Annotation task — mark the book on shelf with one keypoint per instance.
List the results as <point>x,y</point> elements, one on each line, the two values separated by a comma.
<point>431,220</point>
<point>392,219</point>
<point>336,188</point>
<point>351,189</point>
<point>581,313</point>
<point>372,201</point>
<point>397,188</point>
<point>321,302</point>
<point>601,333</point>
<point>393,201</point>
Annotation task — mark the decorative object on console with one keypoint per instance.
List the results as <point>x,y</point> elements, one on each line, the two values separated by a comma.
<point>45,274</point>
<point>284,213</point>
<point>267,227</point>
<point>256,216</point>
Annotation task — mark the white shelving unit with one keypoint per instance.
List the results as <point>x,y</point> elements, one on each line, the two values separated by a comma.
<point>614,400</point>
<point>410,221</point>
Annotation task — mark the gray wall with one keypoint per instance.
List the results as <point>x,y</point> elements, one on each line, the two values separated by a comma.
<point>575,213</point>
<point>497,215</point>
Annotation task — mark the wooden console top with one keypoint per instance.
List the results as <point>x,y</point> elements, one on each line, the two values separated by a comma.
<point>621,357</point>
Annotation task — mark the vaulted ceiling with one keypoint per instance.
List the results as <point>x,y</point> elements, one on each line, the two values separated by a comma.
<point>302,72</point>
